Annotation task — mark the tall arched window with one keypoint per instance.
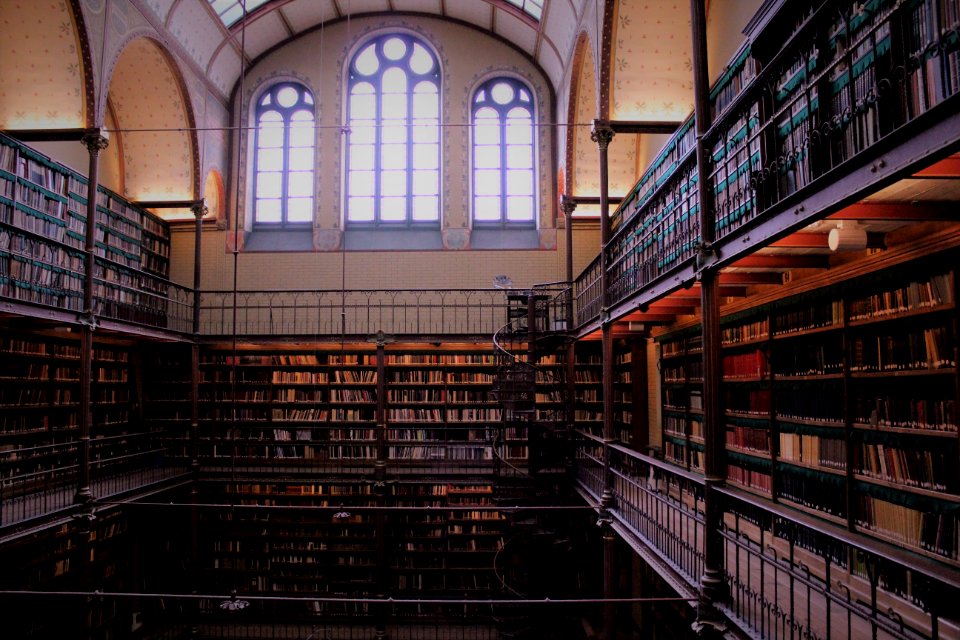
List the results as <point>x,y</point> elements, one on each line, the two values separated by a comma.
<point>393,153</point>
<point>283,166</point>
<point>504,176</point>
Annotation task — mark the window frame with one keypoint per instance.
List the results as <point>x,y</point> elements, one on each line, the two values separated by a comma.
<point>305,101</point>
<point>503,110</point>
<point>353,78</point>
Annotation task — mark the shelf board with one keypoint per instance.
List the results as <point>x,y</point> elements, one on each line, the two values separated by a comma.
<point>808,378</point>
<point>926,433</point>
<point>906,373</point>
<point>938,494</point>
<point>833,424</point>
<point>787,502</point>
<point>753,453</point>
<point>901,315</point>
<point>800,333</point>
<point>813,466</point>
<point>745,343</point>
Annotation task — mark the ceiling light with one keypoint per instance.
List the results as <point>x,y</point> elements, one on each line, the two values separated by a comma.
<point>848,236</point>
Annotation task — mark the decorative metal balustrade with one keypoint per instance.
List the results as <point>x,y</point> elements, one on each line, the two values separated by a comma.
<point>358,313</point>
<point>41,480</point>
<point>853,80</point>
<point>789,575</point>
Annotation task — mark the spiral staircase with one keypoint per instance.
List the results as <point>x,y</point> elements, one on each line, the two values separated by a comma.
<point>522,379</point>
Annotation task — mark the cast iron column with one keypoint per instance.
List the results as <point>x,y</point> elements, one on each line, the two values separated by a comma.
<point>569,206</point>
<point>199,210</point>
<point>95,143</point>
<point>602,134</point>
<point>710,622</point>
<point>380,492</point>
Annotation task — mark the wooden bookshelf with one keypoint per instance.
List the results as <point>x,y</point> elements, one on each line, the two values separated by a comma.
<point>840,401</point>
<point>43,207</point>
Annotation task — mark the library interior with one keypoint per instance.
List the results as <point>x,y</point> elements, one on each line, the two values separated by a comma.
<point>479,319</point>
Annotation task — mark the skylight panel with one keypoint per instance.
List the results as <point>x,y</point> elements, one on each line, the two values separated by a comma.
<point>534,8</point>
<point>231,11</point>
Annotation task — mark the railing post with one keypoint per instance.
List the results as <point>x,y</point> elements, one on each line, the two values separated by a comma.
<point>710,622</point>
<point>95,143</point>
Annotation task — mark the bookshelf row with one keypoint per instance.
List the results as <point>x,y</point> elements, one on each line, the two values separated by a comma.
<point>322,537</point>
<point>325,403</point>
<point>841,402</point>
<point>43,208</point>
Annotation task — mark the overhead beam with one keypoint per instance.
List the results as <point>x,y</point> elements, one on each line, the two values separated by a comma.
<point>592,200</point>
<point>684,297</point>
<point>906,211</point>
<point>746,277</point>
<point>654,318</point>
<point>727,291</point>
<point>676,310</point>
<point>783,262</point>
<point>49,135</point>
<point>167,204</point>
<point>946,168</point>
<point>641,126</point>
<point>803,241</point>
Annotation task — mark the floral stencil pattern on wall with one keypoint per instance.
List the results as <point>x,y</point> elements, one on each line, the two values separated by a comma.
<point>42,75</point>
<point>586,171</point>
<point>652,72</point>
<point>146,98</point>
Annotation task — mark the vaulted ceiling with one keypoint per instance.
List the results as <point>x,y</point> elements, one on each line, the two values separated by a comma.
<point>218,50</point>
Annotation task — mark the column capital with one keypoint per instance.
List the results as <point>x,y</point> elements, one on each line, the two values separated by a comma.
<point>199,208</point>
<point>568,205</point>
<point>94,141</point>
<point>602,134</point>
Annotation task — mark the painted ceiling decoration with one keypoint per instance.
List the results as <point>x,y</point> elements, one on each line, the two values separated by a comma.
<point>652,68</point>
<point>153,119</point>
<point>49,69</point>
<point>585,171</point>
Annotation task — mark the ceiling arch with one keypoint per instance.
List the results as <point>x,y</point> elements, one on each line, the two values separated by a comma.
<point>223,51</point>
<point>584,171</point>
<point>47,85</point>
<point>150,108</point>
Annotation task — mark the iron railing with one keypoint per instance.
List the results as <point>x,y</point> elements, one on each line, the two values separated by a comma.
<point>208,616</point>
<point>789,575</point>
<point>38,481</point>
<point>357,312</point>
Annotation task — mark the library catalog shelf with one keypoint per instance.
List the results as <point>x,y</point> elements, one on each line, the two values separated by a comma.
<point>357,312</point>
<point>852,79</point>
